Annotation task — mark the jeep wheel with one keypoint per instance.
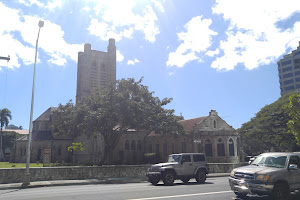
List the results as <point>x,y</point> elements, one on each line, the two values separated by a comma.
<point>200,176</point>
<point>168,178</point>
<point>185,180</point>
<point>240,195</point>
<point>281,191</point>
<point>153,181</point>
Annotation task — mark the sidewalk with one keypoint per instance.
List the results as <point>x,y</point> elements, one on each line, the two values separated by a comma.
<point>136,179</point>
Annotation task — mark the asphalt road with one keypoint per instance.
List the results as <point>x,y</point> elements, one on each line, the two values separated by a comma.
<point>213,189</point>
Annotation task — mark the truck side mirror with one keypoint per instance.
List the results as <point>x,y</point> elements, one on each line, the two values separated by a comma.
<point>293,167</point>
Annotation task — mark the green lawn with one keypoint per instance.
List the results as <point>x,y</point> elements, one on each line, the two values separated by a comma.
<point>18,165</point>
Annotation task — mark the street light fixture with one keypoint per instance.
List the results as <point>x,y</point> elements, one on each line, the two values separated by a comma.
<point>26,180</point>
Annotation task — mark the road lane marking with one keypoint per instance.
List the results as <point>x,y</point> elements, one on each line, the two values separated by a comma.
<point>183,195</point>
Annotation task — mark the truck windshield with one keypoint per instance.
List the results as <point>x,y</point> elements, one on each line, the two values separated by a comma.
<point>174,158</point>
<point>270,161</point>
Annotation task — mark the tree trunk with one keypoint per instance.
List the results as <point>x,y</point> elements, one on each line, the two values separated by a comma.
<point>1,146</point>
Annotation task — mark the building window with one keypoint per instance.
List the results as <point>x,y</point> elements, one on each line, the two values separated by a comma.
<point>231,147</point>
<point>289,88</point>
<point>132,145</point>
<point>21,152</point>
<point>39,154</point>
<point>215,124</point>
<point>221,147</point>
<point>199,148</point>
<point>59,152</point>
<point>127,145</point>
<point>287,69</point>
<point>157,149</point>
<point>286,62</point>
<point>150,148</point>
<point>183,145</point>
<point>287,75</point>
<point>288,81</point>
<point>297,61</point>
<point>139,145</point>
<point>208,148</point>
<point>297,73</point>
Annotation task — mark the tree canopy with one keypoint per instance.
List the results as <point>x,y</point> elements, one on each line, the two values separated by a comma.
<point>268,130</point>
<point>127,104</point>
<point>293,109</point>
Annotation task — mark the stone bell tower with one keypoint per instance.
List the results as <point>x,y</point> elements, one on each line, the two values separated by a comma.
<point>95,70</point>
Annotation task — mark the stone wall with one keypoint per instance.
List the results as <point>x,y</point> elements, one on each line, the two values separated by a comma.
<point>77,173</point>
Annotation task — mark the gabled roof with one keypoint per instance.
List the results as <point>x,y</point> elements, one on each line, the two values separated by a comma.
<point>189,124</point>
<point>46,115</point>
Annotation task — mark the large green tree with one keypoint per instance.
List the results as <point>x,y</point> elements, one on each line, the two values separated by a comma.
<point>268,130</point>
<point>127,104</point>
<point>293,109</point>
<point>5,116</point>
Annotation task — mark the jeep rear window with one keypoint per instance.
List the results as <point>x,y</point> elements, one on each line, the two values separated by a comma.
<point>198,158</point>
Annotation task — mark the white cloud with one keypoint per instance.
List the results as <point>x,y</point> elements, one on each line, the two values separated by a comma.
<point>253,39</point>
<point>51,39</point>
<point>120,57</point>
<point>133,62</point>
<point>51,5</point>
<point>158,5</point>
<point>121,22</point>
<point>196,39</point>
<point>212,53</point>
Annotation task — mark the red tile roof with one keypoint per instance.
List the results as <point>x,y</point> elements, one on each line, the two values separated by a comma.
<point>23,132</point>
<point>189,124</point>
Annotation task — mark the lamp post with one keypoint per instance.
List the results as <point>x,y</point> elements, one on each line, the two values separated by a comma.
<point>26,181</point>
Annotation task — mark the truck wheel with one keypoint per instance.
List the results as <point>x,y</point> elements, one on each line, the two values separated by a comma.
<point>281,191</point>
<point>200,176</point>
<point>240,195</point>
<point>185,180</point>
<point>153,181</point>
<point>168,178</point>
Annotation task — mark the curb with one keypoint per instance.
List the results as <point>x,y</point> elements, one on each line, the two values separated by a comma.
<point>136,179</point>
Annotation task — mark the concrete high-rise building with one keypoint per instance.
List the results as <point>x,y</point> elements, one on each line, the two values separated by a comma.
<point>289,72</point>
<point>95,70</point>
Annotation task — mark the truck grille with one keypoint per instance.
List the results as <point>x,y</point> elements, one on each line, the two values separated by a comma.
<point>246,176</point>
<point>154,169</point>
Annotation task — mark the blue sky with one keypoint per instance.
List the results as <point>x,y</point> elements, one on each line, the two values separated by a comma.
<point>205,54</point>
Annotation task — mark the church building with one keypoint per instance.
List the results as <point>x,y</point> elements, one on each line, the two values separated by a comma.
<point>210,134</point>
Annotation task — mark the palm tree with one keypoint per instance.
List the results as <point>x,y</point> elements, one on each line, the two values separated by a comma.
<point>5,115</point>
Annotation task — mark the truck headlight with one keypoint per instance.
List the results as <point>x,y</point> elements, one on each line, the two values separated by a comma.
<point>262,177</point>
<point>161,169</point>
<point>232,173</point>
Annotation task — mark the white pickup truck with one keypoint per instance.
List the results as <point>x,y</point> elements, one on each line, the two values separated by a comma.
<point>274,174</point>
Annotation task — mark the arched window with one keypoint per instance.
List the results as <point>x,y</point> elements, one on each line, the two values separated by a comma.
<point>231,147</point>
<point>132,145</point>
<point>221,147</point>
<point>139,145</point>
<point>208,148</point>
<point>215,124</point>
<point>150,148</point>
<point>127,145</point>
